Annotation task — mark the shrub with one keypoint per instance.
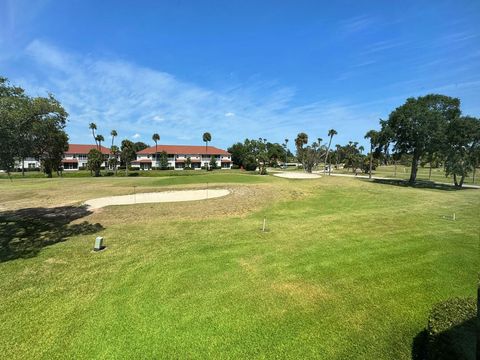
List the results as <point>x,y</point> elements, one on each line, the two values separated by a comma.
<point>452,330</point>
<point>235,167</point>
<point>133,174</point>
<point>251,166</point>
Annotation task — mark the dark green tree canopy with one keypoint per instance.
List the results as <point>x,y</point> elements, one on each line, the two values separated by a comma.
<point>31,127</point>
<point>418,126</point>
<point>95,160</point>
<point>207,137</point>
<point>139,146</point>
<point>461,147</point>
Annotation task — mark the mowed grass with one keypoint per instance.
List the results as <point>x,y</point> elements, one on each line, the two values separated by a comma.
<point>423,173</point>
<point>346,269</point>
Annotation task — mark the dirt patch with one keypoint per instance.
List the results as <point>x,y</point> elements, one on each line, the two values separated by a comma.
<point>302,293</point>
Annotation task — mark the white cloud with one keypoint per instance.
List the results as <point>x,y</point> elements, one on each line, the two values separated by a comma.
<point>136,136</point>
<point>158,118</point>
<point>124,96</point>
<point>356,23</point>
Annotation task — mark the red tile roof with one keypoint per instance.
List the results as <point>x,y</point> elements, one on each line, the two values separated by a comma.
<point>185,149</point>
<point>84,149</point>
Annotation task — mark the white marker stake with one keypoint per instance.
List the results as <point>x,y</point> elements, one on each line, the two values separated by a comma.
<point>264,223</point>
<point>453,216</point>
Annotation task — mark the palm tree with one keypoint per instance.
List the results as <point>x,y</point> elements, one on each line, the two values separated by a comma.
<point>113,133</point>
<point>93,127</point>
<point>373,136</point>
<point>156,138</point>
<point>113,162</point>
<point>286,153</point>
<point>207,137</point>
<point>99,139</point>
<point>300,140</point>
<point>331,134</point>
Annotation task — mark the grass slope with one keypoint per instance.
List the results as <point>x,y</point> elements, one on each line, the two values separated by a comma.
<point>347,269</point>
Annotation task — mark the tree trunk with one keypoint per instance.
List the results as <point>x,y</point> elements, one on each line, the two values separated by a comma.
<point>473,174</point>
<point>430,172</point>
<point>23,167</point>
<point>413,172</point>
<point>395,168</point>
<point>371,160</point>
<point>462,179</point>
<point>326,155</point>
<point>455,180</point>
<point>126,167</point>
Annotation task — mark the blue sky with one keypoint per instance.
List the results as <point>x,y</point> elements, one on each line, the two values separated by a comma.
<point>239,69</point>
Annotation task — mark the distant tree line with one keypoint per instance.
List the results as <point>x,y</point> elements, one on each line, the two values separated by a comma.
<point>253,154</point>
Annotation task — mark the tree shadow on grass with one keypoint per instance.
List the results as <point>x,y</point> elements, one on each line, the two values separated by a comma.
<point>24,232</point>
<point>457,343</point>
<point>419,184</point>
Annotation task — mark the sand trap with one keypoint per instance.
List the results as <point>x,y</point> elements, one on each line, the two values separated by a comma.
<point>297,175</point>
<point>157,197</point>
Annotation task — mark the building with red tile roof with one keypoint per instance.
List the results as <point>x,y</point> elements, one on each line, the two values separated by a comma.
<point>179,155</point>
<point>76,157</point>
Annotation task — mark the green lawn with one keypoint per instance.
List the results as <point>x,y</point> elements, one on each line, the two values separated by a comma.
<point>120,173</point>
<point>423,173</point>
<point>346,269</point>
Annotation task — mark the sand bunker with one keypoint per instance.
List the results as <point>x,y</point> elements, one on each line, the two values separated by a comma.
<point>297,175</point>
<point>157,197</point>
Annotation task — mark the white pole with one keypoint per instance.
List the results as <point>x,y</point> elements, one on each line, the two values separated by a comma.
<point>453,216</point>
<point>264,223</point>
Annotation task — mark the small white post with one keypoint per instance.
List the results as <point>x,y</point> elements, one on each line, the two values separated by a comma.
<point>98,244</point>
<point>264,223</point>
<point>453,216</point>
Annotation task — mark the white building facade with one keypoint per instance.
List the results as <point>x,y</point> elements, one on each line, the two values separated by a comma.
<point>179,156</point>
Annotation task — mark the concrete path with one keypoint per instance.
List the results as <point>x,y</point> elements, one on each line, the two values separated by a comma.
<point>157,197</point>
